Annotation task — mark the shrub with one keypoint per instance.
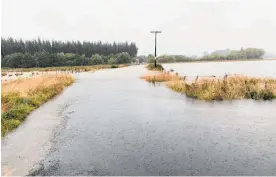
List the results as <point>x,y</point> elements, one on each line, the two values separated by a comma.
<point>114,66</point>
<point>112,61</point>
<point>158,67</point>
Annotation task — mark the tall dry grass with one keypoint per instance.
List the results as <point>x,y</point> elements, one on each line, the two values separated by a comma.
<point>212,88</point>
<point>160,77</point>
<point>25,85</point>
<point>20,97</point>
<point>228,88</point>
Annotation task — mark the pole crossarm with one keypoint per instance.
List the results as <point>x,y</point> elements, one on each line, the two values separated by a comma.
<point>155,31</point>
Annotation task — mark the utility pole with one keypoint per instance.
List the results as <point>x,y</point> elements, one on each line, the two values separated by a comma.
<point>155,33</point>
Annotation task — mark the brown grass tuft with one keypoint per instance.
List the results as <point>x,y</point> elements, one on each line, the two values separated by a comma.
<point>160,77</point>
<point>231,87</point>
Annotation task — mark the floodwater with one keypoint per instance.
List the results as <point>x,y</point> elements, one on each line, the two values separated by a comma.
<point>112,123</point>
<point>265,68</point>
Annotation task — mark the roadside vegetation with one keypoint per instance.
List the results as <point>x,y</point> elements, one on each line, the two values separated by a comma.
<point>63,68</point>
<point>228,88</point>
<point>152,67</point>
<point>20,97</point>
<point>161,77</point>
<point>212,88</point>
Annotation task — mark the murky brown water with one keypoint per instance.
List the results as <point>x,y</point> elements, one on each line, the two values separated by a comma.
<point>112,123</point>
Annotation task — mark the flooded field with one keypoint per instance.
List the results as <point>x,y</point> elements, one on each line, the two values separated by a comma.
<point>111,122</point>
<point>264,68</point>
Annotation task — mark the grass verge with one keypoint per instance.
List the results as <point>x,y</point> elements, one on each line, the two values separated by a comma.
<point>228,88</point>
<point>211,88</point>
<point>22,96</point>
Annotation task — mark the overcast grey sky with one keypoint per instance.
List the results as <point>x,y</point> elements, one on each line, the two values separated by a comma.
<point>188,26</point>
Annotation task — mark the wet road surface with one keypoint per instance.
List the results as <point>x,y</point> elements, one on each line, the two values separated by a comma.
<point>113,123</point>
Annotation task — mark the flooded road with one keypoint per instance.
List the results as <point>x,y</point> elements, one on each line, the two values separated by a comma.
<point>112,123</point>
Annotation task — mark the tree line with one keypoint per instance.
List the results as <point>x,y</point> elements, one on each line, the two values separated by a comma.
<point>46,59</point>
<point>242,54</point>
<point>248,53</point>
<point>44,53</point>
<point>11,45</point>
